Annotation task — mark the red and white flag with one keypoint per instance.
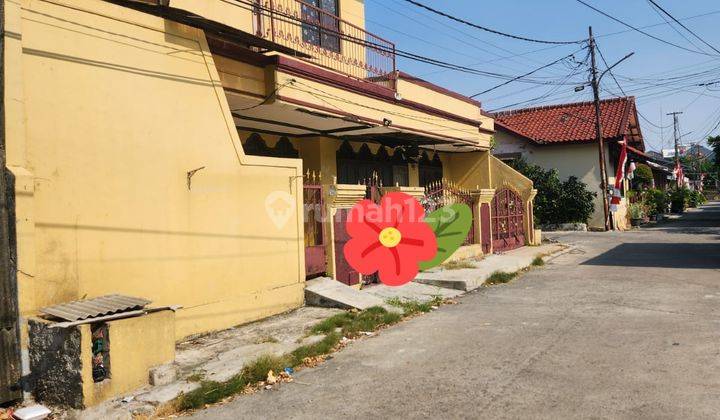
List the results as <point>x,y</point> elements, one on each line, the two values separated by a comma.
<point>679,175</point>
<point>619,178</point>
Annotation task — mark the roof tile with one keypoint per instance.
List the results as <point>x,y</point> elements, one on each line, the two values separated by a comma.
<point>574,122</point>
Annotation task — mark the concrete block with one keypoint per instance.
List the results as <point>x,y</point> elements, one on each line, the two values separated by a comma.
<point>330,293</point>
<point>163,374</point>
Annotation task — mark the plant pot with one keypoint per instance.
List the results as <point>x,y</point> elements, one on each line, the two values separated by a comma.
<point>636,222</point>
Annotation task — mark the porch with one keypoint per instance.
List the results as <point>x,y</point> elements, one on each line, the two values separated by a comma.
<point>339,173</point>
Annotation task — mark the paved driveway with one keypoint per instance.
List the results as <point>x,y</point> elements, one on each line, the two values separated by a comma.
<point>627,325</point>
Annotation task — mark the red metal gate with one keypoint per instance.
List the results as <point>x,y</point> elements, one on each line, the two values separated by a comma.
<point>443,193</point>
<point>314,216</point>
<point>508,220</point>
<point>344,273</point>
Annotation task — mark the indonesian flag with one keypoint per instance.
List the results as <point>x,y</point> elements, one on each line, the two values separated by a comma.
<point>619,178</point>
<point>631,171</point>
<point>679,175</point>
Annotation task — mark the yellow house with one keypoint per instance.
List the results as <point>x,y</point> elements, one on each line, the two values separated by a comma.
<point>192,152</point>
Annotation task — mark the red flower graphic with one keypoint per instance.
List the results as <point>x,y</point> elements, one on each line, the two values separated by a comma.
<point>390,238</point>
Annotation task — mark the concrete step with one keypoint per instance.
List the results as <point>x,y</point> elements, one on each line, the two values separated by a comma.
<point>467,279</point>
<point>329,293</point>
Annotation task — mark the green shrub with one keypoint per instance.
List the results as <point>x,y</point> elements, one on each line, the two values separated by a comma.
<point>637,211</point>
<point>642,177</point>
<point>679,200</point>
<point>577,203</point>
<point>557,202</point>
<point>696,198</point>
<point>538,261</point>
<point>656,201</point>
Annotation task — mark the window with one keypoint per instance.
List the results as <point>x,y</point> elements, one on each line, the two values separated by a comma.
<point>322,25</point>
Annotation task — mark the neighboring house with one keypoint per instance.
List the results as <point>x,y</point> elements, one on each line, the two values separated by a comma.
<point>563,137</point>
<point>168,150</point>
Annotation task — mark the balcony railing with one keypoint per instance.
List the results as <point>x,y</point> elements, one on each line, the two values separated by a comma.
<point>332,42</point>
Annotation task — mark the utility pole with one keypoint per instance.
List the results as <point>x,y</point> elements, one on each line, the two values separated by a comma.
<point>676,136</point>
<point>598,132</point>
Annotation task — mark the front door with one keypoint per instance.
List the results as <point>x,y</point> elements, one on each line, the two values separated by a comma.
<point>508,220</point>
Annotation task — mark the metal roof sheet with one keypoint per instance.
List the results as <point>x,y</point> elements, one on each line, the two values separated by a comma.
<point>91,308</point>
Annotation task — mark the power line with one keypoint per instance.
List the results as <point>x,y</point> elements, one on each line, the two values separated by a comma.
<point>638,29</point>
<point>684,27</point>
<point>672,26</point>
<point>714,12</point>
<point>523,75</point>
<point>493,31</point>
<point>293,20</point>
<point>602,57</point>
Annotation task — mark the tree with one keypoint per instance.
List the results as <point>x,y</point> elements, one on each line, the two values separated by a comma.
<point>557,202</point>
<point>642,177</point>
<point>714,143</point>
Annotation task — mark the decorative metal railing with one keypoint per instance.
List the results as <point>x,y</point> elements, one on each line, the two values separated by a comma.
<point>444,192</point>
<point>332,42</point>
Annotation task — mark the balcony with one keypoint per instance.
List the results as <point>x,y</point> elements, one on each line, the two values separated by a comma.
<point>331,42</point>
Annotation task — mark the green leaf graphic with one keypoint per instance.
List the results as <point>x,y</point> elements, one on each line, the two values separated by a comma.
<point>451,225</point>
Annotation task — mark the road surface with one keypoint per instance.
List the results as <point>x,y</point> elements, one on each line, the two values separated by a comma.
<point>626,325</point>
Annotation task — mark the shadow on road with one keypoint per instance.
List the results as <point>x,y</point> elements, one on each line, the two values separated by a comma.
<point>664,255</point>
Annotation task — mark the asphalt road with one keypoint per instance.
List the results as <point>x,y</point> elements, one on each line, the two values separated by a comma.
<point>627,325</point>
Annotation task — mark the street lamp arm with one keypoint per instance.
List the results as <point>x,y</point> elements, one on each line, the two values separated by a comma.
<point>611,67</point>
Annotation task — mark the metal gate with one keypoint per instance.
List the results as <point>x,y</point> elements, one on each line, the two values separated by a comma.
<point>344,273</point>
<point>374,193</point>
<point>314,217</point>
<point>443,193</point>
<point>508,220</point>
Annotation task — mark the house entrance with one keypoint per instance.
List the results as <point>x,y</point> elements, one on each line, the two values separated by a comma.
<point>508,220</point>
<point>314,216</point>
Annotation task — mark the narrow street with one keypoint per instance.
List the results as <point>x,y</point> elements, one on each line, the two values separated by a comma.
<point>625,325</point>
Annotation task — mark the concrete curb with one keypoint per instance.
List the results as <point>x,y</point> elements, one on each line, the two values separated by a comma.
<point>472,278</point>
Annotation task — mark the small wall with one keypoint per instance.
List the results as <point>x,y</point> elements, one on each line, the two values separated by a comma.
<point>61,358</point>
<point>104,199</point>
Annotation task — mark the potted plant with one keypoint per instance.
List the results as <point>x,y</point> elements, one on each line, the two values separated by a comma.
<point>637,214</point>
<point>656,202</point>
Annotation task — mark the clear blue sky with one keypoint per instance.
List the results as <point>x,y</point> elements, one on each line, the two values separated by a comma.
<point>418,31</point>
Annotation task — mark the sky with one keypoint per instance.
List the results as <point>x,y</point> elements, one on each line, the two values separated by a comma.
<point>646,74</point>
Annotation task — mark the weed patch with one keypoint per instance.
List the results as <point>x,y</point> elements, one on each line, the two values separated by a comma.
<point>500,277</point>
<point>196,377</point>
<point>538,261</point>
<point>351,324</point>
<point>413,307</point>
<point>458,265</point>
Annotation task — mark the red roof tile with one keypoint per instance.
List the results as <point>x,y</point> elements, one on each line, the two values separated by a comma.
<point>574,122</point>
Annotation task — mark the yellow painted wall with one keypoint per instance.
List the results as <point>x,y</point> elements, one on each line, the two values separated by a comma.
<point>469,170</point>
<point>325,96</point>
<point>118,106</point>
<point>418,93</point>
<point>136,345</point>
<point>231,13</point>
